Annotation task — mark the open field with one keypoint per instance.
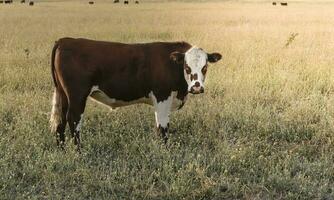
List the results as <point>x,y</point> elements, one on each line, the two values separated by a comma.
<point>264,129</point>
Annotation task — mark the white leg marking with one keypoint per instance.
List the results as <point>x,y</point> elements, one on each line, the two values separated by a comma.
<point>93,89</point>
<point>78,126</point>
<point>162,110</point>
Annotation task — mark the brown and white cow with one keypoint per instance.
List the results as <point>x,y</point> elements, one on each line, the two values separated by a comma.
<point>160,74</point>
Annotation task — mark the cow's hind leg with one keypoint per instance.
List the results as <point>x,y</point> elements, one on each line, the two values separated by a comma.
<point>75,112</point>
<point>162,112</point>
<point>58,116</point>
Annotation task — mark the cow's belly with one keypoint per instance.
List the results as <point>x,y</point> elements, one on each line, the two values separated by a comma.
<point>100,97</point>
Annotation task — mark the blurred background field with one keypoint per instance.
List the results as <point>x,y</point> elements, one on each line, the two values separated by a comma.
<point>263,129</point>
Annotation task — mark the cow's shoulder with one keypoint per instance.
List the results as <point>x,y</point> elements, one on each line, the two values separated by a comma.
<point>183,46</point>
<point>166,75</point>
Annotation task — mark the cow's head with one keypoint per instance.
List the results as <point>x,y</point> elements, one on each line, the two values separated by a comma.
<point>195,64</point>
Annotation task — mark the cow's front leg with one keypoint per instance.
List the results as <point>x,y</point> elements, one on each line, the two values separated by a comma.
<point>162,112</point>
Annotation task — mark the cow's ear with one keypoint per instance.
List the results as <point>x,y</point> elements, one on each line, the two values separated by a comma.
<point>214,57</point>
<point>177,57</point>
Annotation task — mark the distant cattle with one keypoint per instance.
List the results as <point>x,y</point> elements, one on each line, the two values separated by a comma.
<point>23,1</point>
<point>160,74</point>
<point>27,52</point>
<point>8,1</point>
<point>31,3</point>
<point>91,2</point>
<point>126,2</point>
<point>116,1</point>
<point>274,3</point>
<point>284,4</point>
<point>136,2</point>
<point>1,1</point>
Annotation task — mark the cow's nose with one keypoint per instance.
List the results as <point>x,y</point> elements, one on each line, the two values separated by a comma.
<point>197,88</point>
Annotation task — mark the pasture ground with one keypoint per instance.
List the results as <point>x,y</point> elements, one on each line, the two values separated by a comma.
<point>264,129</point>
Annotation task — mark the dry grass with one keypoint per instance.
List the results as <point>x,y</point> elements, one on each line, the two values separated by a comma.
<point>263,129</point>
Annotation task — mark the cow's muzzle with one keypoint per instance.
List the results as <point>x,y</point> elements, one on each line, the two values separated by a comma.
<point>196,90</point>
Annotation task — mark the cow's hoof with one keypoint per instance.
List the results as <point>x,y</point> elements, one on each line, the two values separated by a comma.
<point>165,140</point>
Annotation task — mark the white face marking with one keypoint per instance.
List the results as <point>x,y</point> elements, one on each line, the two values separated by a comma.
<point>195,58</point>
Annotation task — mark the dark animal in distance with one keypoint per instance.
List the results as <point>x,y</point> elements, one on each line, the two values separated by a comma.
<point>31,3</point>
<point>91,2</point>
<point>1,1</point>
<point>160,74</point>
<point>8,1</point>
<point>27,52</point>
<point>116,1</point>
<point>23,1</point>
<point>126,2</point>
<point>274,3</point>
<point>284,4</point>
<point>136,2</point>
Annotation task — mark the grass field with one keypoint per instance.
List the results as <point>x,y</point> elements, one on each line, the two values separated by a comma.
<point>264,129</point>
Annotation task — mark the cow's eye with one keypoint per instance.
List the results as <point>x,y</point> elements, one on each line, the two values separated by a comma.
<point>188,70</point>
<point>204,69</point>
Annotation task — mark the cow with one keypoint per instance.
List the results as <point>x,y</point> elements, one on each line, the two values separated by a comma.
<point>1,1</point>
<point>8,1</point>
<point>284,4</point>
<point>274,3</point>
<point>126,2</point>
<point>91,2</point>
<point>160,74</point>
<point>23,1</point>
<point>116,1</point>
<point>136,2</point>
<point>31,3</point>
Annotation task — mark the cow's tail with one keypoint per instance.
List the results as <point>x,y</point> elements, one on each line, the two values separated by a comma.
<point>53,55</point>
<point>56,112</point>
